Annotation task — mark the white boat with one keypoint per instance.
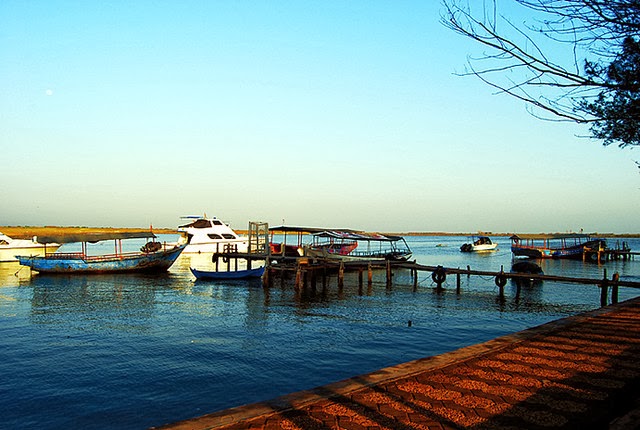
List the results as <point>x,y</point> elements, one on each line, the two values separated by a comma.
<point>9,248</point>
<point>210,235</point>
<point>479,244</point>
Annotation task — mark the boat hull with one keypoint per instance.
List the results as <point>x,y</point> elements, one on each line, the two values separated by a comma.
<point>139,263</point>
<point>232,274</point>
<point>9,253</point>
<point>215,247</point>
<point>484,248</point>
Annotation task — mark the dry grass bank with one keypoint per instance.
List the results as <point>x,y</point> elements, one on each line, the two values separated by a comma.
<point>27,232</point>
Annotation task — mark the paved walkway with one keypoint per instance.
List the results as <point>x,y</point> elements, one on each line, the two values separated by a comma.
<point>575,373</point>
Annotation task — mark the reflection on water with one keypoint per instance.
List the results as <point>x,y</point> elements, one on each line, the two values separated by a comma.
<point>132,351</point>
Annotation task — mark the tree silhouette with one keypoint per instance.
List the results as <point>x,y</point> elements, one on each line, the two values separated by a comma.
<point>594,80</point>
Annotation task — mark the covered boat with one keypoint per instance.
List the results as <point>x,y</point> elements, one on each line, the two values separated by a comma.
<point>479,244</point>
<point>351,246</point>
<point>571,245</point>
<point>153,257</point>
<point>9,248</point>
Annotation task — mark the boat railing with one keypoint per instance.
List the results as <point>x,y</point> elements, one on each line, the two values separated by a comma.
<point>376,254</point>
<point>82,256</point>
<point>64,255</point>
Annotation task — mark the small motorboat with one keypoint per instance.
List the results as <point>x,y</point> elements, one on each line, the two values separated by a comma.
<point>479,244</point>
<point>227,275</point>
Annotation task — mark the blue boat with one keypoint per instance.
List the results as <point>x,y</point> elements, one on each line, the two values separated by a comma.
<point>231,274</point>
<point>570,246</point>
<point>153,257</point>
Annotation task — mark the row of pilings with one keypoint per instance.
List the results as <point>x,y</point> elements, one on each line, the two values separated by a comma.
<point>310,272</point>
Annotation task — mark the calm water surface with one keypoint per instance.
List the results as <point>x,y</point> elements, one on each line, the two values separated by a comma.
<point>133,351</point>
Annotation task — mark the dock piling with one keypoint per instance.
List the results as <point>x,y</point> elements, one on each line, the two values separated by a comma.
<point>603,289</point>
<point>614,288</point>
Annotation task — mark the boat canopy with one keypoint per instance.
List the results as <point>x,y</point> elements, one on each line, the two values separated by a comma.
<point>349,235</point>
<point>296,229</point>
<point>93,237</point>
<point>550,236</point>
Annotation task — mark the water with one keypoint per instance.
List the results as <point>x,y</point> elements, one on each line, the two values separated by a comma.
<point>133,351</point>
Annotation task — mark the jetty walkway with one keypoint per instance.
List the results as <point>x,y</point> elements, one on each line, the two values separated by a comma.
<point>574,373</point>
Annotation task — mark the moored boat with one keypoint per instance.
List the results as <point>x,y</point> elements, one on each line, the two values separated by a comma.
<point>570,246</point>
<point>209,235</point>
<point>10,247</point>
<point>351,246</point>
<point>227,275</point>
<point>153,257</point>
<point>479,244</point>
<point>526,267</point>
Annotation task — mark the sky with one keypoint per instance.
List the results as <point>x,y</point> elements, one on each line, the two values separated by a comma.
<point>314,113</point>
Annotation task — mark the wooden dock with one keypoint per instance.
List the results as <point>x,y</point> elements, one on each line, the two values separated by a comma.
<point>574,373</point>
<point>310,271</point>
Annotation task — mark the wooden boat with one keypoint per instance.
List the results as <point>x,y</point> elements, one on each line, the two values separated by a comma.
<point>479,244</point>
<point>227,275</point>
<point>350,246</point>
<point>9,248</point>
<point>153,257</point>
<point>293,238</point>
<point>570,246</point>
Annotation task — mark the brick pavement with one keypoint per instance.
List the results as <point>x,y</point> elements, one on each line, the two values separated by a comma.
<point>575,373</point>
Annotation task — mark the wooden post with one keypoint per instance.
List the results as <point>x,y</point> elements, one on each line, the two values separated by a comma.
<point>614,288</point>
<point>603,289</point>
<point>369,275</point>
<point>265,278</point>
<point>298,277</point>
<point>341,275</point>
<point>360,270</point>
<point>415,279</point>
<point>458,283</point>
<point>389,274</point>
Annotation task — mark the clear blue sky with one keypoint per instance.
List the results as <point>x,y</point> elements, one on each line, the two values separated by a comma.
<point>320,113</point>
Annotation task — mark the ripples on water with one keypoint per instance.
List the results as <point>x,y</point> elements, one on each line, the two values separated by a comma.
<point>133,351</point>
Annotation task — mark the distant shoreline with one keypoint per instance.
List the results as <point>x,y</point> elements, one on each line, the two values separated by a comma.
<point>27,232</point>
